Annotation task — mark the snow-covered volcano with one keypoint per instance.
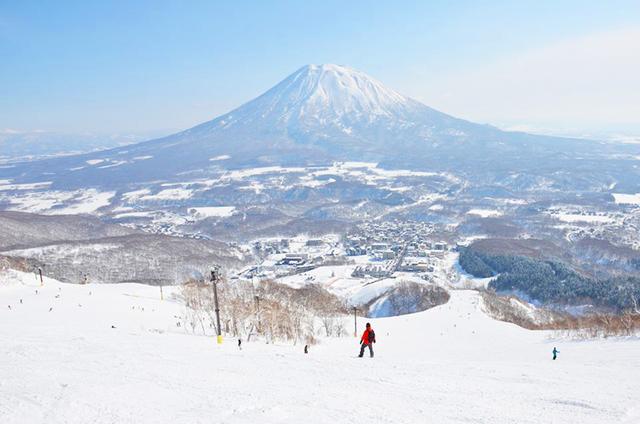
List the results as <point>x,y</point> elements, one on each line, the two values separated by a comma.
<point>336,109</point>
<point>323,94</point>
<point>317,115</point>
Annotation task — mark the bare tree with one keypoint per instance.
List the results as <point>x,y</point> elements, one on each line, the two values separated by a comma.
<point>285,313</point>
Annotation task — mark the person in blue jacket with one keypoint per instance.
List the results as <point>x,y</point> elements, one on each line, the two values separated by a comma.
<point>555,353</point>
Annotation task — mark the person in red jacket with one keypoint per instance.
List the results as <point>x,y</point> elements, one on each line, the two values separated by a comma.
<point>368,339</point>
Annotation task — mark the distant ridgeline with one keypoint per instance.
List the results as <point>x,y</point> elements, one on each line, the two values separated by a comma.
<point>549,281</point>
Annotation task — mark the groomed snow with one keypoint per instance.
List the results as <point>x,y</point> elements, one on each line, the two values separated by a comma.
<point>450,364</point>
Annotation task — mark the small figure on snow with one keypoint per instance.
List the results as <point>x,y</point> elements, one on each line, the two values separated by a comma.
<point>555,353</point>
<point>239,344</point>
<point>306,348</point>
<point>367,340</point>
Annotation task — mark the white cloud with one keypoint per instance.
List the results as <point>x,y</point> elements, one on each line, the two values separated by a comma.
<point>588,81</point>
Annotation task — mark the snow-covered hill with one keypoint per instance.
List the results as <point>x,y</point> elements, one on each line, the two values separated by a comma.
<point>64,362</point>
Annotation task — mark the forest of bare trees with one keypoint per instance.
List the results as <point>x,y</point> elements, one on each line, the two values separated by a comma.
<point>267,309</point>
<point>585,326</point>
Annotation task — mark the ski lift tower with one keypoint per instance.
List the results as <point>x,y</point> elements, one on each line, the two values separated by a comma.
<point>215,278</point>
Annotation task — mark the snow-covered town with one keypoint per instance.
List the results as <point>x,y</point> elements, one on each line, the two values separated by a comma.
<point>357,266</point>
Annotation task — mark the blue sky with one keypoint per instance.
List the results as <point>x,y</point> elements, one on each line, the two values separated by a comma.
<point>119,66</point>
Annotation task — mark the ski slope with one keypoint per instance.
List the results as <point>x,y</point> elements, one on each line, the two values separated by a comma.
<point>451,364</point>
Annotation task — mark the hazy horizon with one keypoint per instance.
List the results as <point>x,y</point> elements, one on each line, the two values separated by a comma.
<point>135,68</point>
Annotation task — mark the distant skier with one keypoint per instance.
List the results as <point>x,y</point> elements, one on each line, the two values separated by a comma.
<point>555,353</point>
<point>306,348</point>
<point>367,340</point>
<point>239,344</point>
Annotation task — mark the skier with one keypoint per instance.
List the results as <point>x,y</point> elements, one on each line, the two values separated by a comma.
<point>555,353</point>
<point>368,339</point>
<point>239,344</point>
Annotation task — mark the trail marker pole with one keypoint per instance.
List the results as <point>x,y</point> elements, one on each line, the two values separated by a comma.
<point>355,322</point>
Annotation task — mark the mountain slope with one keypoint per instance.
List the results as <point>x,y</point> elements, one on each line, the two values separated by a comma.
<point>19,229</point>
<point>321,114</point>
<point>113,353</point>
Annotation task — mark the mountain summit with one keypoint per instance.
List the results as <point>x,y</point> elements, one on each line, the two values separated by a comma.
<point>327,91</point>
<point>318,96</point>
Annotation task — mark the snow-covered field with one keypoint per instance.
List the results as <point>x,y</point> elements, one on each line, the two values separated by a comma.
<point>194,194</point>
<point>451,364</point>
<point>600,219</point>
<point>485,213</point>
<point>54,202</point>
<point>627,199</point>
<point>212,211</point>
